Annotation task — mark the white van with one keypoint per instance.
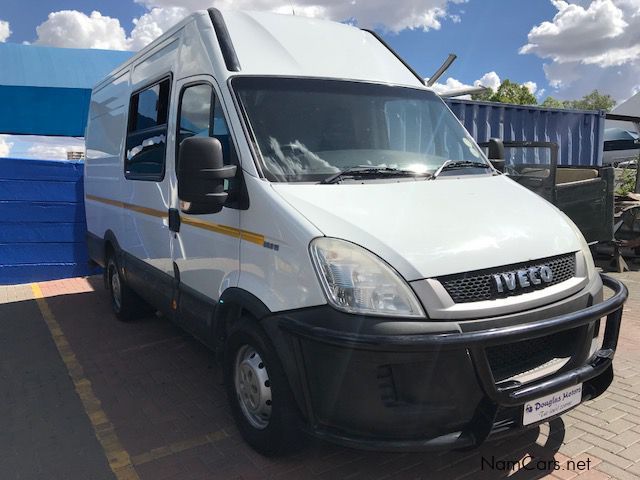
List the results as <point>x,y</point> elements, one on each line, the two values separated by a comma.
<point>289,191</point>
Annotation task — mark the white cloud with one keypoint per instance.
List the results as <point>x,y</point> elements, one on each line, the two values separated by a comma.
<point>578,33</point>
<point>73,29</point>
<point>449,85</point>
<point>5,146</point>
<point>573,79</point>
<point>490,79</point>
<point>590,44</point>
<point>531,86</point>
<point>401,15</point>
<point>152,24</point>
<point>5,31</point>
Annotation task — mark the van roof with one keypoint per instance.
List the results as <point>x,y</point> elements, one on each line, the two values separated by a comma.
<point>276,44</point>
<point>287,45</point>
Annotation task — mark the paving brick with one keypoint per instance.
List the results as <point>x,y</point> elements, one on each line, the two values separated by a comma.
<point>610,415</point>
<point>576,447</point>
<point>603,403</point>
<point>596,421</point>
<point>616,472</point>
<point>594,475</point>
<point>607,445</point>
<point>615,389</point>
<point>632,452</point>
<point>609,457</point>
<point>619,426</point>
<point>597,431</point>
<point>564,474</point>
<point>630,409</point>
<point>635,468</point>
<point>626,439</point>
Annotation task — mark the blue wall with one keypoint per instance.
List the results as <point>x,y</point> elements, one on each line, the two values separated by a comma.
<point>46,90</point>
<point>42,221</point>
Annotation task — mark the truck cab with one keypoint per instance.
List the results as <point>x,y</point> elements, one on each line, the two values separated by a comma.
<point>291,193</point>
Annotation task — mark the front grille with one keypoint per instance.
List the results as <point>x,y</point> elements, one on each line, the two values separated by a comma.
<point>479,285</point>
<point>512,359</point>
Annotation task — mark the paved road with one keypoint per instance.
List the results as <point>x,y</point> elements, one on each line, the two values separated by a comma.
<point>85,396</point>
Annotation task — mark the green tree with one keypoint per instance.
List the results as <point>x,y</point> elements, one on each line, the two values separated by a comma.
<point>551,102</point>
<point>484,96</point>
<point>512,92</point>
<point>592,101</point>
<point>508,92</point>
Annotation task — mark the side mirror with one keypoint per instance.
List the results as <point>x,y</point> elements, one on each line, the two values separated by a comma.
<point>496,153</point>
<point>201,175</point>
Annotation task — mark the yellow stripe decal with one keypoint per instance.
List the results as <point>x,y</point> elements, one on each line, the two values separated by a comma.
<point>118,458</point>
<point>129,206</point>
<point>194,222</point>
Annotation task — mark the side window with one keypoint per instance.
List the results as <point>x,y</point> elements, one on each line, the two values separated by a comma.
<point>198,118</point>
<point>147,133</point>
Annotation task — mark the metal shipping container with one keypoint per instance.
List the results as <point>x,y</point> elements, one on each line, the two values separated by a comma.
<point>578,133</point>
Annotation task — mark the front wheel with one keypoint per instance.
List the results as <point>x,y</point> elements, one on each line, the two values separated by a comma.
<point>258,391</point>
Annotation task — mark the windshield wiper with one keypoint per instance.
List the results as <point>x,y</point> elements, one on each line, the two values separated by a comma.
<point>374,172</point>
<point>459,165</point>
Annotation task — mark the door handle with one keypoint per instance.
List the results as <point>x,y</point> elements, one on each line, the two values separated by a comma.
<point>174,220</point>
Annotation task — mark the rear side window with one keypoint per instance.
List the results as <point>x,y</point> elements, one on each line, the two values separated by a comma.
<point>147,132</point>
<point>201,115</point>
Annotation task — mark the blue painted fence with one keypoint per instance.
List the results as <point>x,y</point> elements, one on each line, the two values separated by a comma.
<point>42,221</point>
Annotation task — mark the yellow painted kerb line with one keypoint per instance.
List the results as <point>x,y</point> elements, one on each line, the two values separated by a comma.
<point>118,458</point>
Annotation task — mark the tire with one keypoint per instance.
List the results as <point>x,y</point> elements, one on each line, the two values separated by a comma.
<point>126,304</point>
<point>267,418</point>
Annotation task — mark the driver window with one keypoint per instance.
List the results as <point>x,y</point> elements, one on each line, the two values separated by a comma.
<point>198,118</point>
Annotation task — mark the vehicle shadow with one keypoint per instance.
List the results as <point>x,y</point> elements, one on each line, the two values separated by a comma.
<point>162,392</point>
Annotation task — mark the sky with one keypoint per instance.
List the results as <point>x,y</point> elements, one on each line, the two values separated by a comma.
<point>560,48</point>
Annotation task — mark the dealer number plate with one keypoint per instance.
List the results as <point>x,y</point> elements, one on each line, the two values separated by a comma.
<point>545,407</point>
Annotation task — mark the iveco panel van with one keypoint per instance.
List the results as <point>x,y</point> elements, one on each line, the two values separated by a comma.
<point>290,192</point>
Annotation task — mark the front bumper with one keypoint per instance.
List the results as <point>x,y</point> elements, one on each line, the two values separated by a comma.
<point>433,391</point>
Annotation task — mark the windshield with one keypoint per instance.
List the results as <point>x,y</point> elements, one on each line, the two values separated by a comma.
<point>306,129</point>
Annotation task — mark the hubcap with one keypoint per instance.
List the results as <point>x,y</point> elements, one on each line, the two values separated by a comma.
<point>116,292</point>
<point>253,387</point>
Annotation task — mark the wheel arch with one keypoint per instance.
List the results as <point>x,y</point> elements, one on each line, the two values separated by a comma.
<point>234,303</point>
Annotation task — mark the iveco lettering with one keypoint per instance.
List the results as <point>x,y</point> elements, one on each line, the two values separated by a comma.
<point>290,192</point>
<point>523,278</point>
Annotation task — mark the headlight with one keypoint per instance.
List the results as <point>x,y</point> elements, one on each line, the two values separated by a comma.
<point>357,281</point>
